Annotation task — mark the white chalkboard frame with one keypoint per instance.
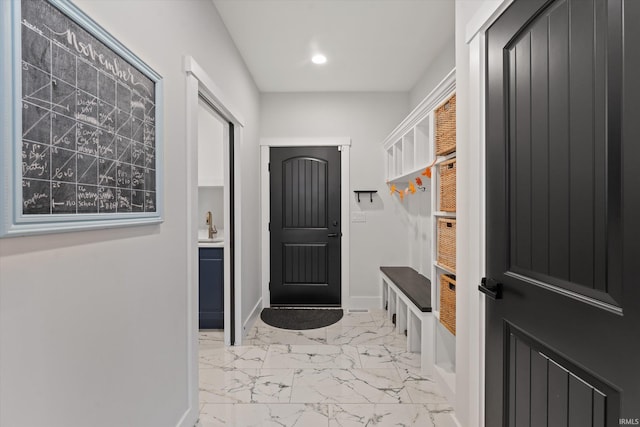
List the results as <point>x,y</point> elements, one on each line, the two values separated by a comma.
<point>12,221</point>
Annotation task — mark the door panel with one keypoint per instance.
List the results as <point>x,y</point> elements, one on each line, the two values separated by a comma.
<point>305,193</point>
<point>546,390</point>
<point>558,149</point>
<point>562,344</point>
<point>305,263</point>
<point>304,224</point>
<point>539,388</point>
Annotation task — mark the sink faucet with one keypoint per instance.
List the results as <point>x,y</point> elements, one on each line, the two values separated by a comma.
<point>212,227</point>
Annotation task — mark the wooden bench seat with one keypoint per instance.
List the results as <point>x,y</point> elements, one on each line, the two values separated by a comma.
<point>406,295</point>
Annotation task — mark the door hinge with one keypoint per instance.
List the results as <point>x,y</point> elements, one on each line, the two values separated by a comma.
<point>269,166</point>
<point>269,285</point>
<point>269,227</point>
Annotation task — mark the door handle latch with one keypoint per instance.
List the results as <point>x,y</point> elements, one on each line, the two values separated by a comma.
<point>491,288</point>
<point>334,235</point>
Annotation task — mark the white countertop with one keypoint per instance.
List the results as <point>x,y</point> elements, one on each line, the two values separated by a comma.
<point>205,242</point>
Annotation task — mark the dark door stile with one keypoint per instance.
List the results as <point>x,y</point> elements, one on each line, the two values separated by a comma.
<point>563,215</point>
<point>305,231</point>
<point>232,234</point>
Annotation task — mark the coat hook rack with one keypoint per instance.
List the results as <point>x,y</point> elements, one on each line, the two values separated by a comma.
<point>370,192</point>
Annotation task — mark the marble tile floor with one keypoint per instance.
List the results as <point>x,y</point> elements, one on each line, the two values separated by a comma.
<point>354,373</point>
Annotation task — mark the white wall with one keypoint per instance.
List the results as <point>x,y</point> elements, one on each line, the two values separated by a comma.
<point>367,118</point>
<point>211,199</point>
<point>419,230</point>
<point>93,324</point>
<point>418,205</point>
<point>435,72</point>
<point>213,135</point>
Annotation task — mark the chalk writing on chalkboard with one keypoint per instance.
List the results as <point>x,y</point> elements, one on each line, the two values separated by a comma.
<point>88,121</point>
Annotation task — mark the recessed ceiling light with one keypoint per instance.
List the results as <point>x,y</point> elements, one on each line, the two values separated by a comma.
<point>319,59</point>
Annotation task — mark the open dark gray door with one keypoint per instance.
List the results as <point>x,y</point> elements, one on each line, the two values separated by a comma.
<point>563,214</point>
<point>305,226</point>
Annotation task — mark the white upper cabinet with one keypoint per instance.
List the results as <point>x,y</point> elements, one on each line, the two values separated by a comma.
<point>212,133</point>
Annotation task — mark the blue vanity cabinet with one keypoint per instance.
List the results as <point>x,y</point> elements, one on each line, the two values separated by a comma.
<point>211,297</point>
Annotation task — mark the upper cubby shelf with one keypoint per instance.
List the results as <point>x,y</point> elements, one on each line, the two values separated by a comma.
<point>410,147</point>
<point>402,179</point>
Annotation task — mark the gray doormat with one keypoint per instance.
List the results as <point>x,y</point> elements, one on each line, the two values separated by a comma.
<point>299,319</point>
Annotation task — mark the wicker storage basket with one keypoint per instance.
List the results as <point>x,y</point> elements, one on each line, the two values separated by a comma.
<point>448,302</point>
<point>446,127</point>
<point>448,186</point>
<point>447,243</point>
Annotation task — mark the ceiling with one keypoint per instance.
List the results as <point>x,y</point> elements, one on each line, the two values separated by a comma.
<point>371,45</point>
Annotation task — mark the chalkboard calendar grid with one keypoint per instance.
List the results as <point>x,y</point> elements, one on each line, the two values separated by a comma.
<point>88,134</point>
<point>81,132</point>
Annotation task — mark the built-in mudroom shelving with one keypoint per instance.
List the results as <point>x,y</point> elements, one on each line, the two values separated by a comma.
<point>443,199</point>
<point>410,152</point>
<point>424,140</point>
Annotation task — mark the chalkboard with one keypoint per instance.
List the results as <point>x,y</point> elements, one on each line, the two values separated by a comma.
<point>88,121</point>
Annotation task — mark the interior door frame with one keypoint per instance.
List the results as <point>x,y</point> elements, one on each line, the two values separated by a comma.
<point>343,144</point>
<point>472,220</point>
<point>198,83</point>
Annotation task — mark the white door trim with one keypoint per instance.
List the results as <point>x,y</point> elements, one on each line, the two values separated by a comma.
<point>484,17</point>
<point>199,83</point>
<point>212,91</point>
<point>472,188</point>
<point>344,145</point>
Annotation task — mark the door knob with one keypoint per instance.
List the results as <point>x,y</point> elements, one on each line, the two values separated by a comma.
<point>491,288</point>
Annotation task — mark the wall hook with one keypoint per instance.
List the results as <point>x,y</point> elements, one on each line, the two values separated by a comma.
<point>371,193</point>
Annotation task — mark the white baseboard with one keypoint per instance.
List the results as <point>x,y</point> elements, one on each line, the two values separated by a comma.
<point>455,420</point>
<point>364,302</point>
<point>190,417</point>
<point>251,320</point>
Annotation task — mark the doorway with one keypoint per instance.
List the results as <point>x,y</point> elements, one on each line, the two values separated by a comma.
<point>215,215</point>
<point>342,145</point>
<point>562,308</point>
<point>305,226</point>
<point>199,84</point>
